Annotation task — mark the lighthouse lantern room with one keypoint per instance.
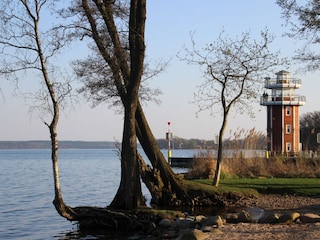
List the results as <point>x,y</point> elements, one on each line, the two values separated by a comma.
<point>283,104</point>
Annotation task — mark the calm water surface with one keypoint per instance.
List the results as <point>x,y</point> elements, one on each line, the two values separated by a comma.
<point>88,177</point>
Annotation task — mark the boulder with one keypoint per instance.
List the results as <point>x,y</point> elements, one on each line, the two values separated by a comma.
<point>212,221</point>
<point>184,224</point>
<point>165,223</point>
<point>289,217</point>
<point>256,213</point>
<point>198,218</point>
<point>232,217</point>
<point>206,229</point>
<point>269,218</point>
<point>246,217</point>
<point>310,218</point>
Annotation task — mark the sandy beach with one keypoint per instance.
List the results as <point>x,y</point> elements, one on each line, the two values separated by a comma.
<point>280,204</point>
<point>256,231</point>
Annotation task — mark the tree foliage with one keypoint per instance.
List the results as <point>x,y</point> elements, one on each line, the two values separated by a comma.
<point>233,70</point>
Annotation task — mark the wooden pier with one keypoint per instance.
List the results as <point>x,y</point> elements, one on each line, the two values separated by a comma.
<point>182,162</point>
<point>186,162</point>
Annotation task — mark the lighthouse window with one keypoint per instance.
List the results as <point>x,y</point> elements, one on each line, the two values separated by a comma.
<point>288,111</point>
<point>288,146</point>
<point>288,129</point>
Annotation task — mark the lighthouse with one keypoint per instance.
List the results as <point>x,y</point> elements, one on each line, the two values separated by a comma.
<point>283,104</point>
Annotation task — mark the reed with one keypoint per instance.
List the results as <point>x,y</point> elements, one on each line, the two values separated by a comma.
<point>237,166</point>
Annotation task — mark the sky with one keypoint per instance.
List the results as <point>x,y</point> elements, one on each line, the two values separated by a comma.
<point>168,28</point>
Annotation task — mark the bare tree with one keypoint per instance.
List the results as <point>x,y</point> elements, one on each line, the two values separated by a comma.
<point>309,127</point>
<point>109,27</point>
<point>233,74</point>
<point>27,48</point>
<point>129,195</point>
<point>303,19</point>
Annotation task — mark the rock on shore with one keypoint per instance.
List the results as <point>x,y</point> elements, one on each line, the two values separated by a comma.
<point>267,217</point>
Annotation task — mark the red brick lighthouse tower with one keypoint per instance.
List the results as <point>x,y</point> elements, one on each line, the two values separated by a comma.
<point>283,113</point>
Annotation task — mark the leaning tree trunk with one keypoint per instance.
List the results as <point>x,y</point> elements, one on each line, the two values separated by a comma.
<point>167,188</point>
<point>217,173</point>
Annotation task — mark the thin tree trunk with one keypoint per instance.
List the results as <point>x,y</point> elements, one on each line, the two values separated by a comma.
<point>62,209</point>
<point>217,174</point>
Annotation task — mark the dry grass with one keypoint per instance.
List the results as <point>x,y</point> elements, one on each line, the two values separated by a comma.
<point>238,166</point>
<point>257,167</point>
<point>272,167</point>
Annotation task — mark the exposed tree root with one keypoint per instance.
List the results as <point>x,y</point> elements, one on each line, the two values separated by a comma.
<point>94,217</point>
<point>103,218</point>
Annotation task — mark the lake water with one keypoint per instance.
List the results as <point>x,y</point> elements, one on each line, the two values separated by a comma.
<point>88,177</point>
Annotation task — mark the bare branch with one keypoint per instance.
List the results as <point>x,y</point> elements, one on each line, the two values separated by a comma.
<point>303,18</point>
<point>233,70</point>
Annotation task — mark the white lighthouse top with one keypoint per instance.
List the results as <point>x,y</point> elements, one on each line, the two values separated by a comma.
<point>282,81</point>
<point>283,72</point>
<point>282,90</point>
<point>283,76</point>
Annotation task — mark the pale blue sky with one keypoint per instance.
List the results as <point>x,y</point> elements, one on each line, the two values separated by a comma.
<point>169,24</point>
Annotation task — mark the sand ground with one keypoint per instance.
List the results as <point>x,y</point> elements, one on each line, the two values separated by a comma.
<point>275,203</point>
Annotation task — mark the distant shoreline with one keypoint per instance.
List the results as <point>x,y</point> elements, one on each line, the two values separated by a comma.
<point>80,144</point>
<point>44,144</point>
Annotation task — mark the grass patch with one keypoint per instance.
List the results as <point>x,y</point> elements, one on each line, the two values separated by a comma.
<point>205,185</point>
<point>283,186</point>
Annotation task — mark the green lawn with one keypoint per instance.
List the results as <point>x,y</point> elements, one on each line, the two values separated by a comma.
<point>292,186</point>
